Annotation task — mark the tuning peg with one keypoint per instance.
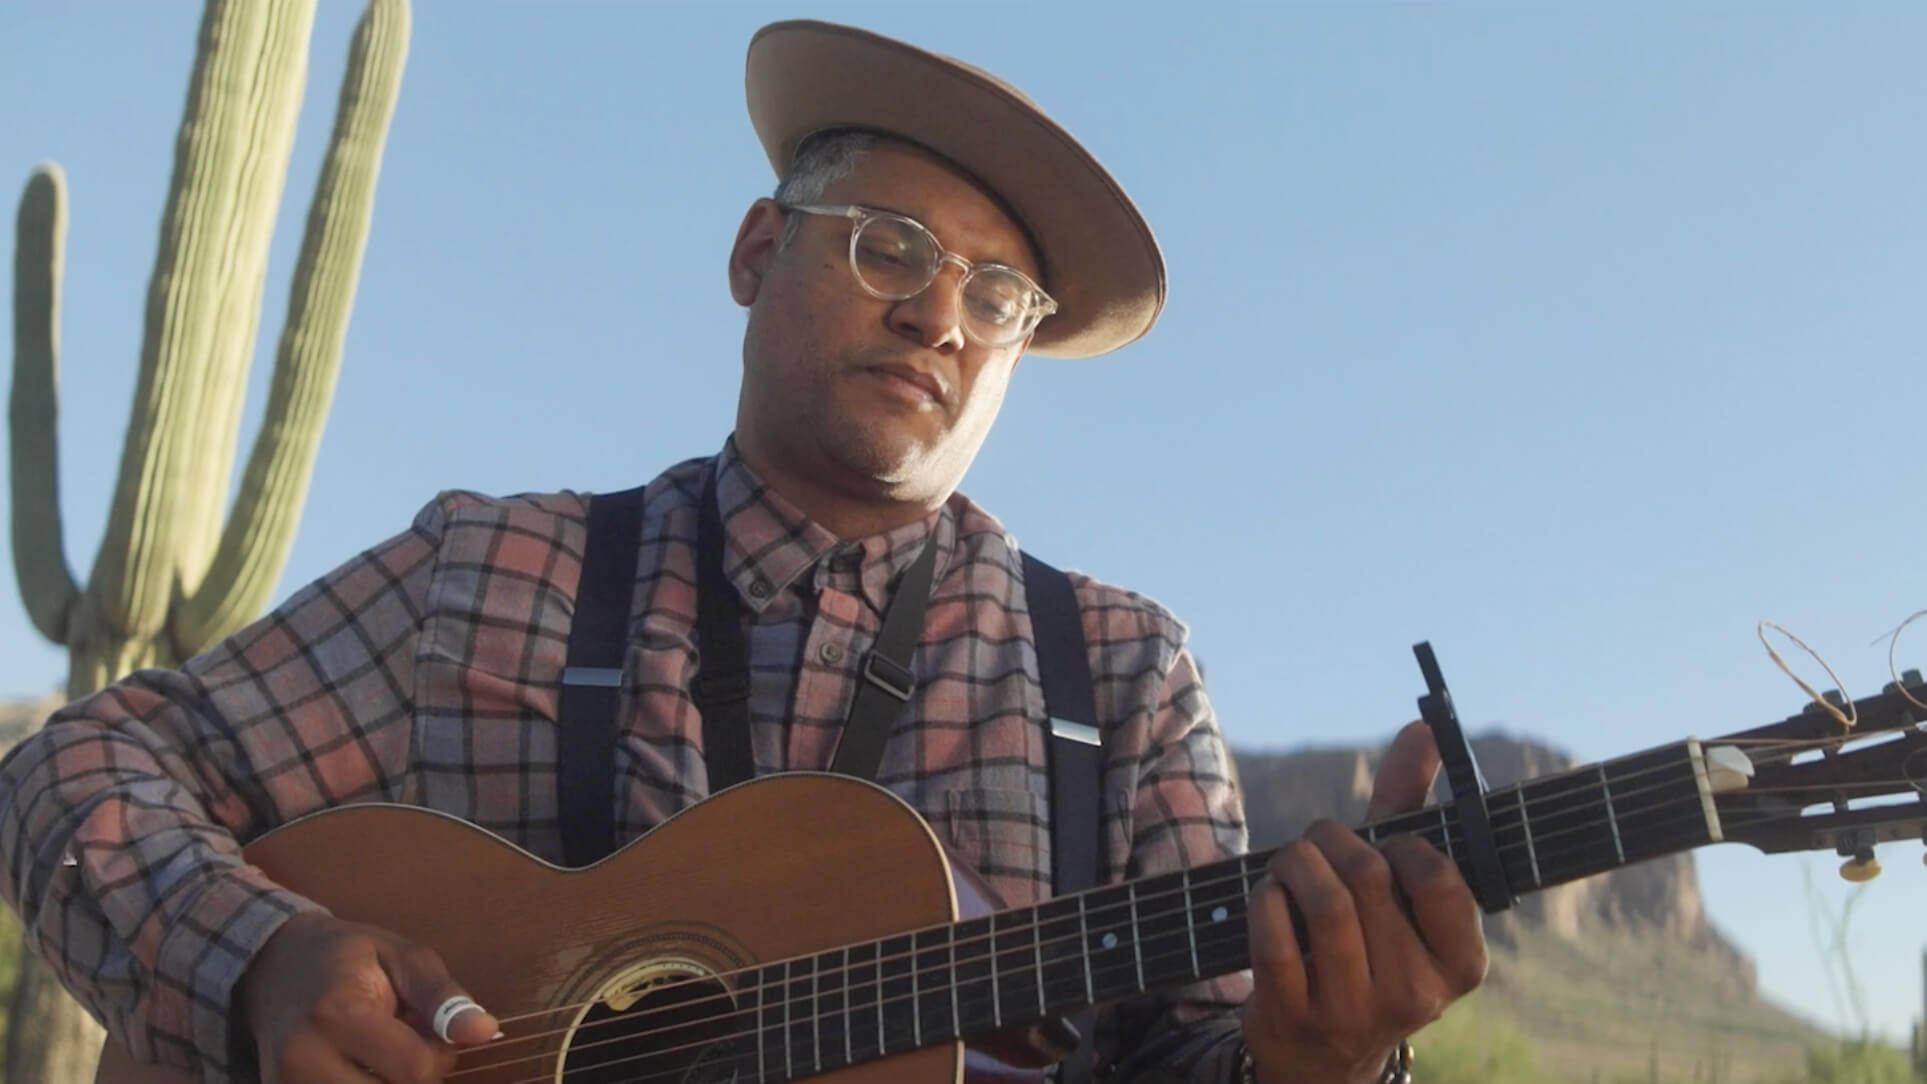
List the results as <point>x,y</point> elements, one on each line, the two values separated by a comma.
<point>1860,869</point>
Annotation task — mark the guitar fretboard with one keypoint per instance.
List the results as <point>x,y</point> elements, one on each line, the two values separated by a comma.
<point>812,1014</point>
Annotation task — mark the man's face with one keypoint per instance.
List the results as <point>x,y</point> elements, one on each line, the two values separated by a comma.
<point>868,397</point>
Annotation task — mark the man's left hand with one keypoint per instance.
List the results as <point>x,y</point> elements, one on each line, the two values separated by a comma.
<point>1391,938</point>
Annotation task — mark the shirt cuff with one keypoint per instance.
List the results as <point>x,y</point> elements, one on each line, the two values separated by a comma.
<point>199,963</point>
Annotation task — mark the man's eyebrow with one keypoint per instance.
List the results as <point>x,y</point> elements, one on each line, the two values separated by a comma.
<point>1008,260</point>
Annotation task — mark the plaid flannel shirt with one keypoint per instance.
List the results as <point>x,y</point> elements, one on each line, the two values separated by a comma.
<point>427,669</point>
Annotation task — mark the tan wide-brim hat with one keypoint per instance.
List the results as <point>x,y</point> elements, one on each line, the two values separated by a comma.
<point>1101,262</point>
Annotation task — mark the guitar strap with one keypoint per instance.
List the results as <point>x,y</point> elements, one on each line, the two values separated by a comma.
<point>592,679</point>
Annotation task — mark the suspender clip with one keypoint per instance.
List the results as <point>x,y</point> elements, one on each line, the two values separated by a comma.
<point>889,675</point>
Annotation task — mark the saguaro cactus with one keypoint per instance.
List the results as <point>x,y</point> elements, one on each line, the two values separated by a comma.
<point>173,574</point>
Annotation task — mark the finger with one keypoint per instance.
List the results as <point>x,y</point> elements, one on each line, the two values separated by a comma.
<point>1338,978</point>
<point>1277,964</point>
<point>395,1052</point>
<point>1444,910</point>
<point>1393,947</point>
<point>424,985</point>
<point>1405,775</point>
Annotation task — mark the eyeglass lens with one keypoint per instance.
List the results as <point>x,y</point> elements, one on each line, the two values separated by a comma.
<point>898,259</point>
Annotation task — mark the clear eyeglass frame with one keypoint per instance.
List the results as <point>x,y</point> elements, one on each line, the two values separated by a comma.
<point>1037,306</point>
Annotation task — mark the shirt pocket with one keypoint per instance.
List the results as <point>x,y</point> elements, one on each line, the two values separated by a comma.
<point>1003,834</point>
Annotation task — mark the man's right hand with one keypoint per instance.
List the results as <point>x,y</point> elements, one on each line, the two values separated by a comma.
<point>333,1002</point>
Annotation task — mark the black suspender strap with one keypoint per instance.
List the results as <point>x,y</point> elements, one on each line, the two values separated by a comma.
<point>1076,756</point>
<point>592,677</point>
<point>887,681</point>
<point>722,678</point>
<point>722,685</point>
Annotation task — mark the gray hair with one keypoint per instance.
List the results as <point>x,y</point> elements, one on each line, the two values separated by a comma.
<point>821,161</point>
<point>831,155</point>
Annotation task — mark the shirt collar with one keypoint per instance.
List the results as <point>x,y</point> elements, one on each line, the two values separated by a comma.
<point>771,546</point>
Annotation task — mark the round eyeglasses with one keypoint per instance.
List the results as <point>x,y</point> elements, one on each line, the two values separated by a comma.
<point>896,258</point>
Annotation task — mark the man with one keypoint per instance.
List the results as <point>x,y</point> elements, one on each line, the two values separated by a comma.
<point>930,227</point>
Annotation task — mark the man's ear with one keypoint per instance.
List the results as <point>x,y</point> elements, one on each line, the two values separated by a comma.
<point>758,240</point>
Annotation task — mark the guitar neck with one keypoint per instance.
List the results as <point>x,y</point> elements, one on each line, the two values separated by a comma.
<point>985,975</point>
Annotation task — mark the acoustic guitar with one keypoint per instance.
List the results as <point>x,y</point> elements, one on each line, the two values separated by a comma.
<point>811,924</point>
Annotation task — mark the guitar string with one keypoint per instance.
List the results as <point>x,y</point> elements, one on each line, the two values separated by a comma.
<point>1213,940</point>
<point>1893,642</point>
<point>980,958</point>
<point>1210,939</point>
<point>1099,916</point>
<point>1424,820</point>
<point>1499,811</point>
<point>1845,720</point>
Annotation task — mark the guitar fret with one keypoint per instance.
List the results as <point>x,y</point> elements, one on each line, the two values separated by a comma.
<point>1532,850</point>
<point>1191,925</point>
<point>1037,953</point>
<point>789,1045</point>
<point>956,1020</point>
<point>916,996</point>
<point>1445,832</point>
<point>996,995</point>
<point>844,1008</point>
<point>1612,817</point>
<point>863,1019</point>
<point>1084,939</point>
<point>1137,936</point>
<point>758,984</point>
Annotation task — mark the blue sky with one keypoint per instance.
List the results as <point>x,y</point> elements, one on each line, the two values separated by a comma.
<point>1575,339</point>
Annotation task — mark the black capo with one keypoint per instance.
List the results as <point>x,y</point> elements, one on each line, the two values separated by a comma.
<point>1468,786</point>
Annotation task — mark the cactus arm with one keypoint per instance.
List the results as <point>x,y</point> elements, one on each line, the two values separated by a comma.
<point>39,556</point>
<point>133,581</point>
<point>260,531</point>
<point>270,117</point>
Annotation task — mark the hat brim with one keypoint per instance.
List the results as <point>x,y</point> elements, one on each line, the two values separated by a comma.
<point>1102,263</point>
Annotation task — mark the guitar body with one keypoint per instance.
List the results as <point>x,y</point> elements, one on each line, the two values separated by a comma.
<point>778,867</point>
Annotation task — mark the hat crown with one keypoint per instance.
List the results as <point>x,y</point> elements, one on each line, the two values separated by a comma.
<point>1107,273</point>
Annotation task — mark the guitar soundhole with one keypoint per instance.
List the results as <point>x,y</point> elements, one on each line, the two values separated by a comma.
<point>671,1031</point>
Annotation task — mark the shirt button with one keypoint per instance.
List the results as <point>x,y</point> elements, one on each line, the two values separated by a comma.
<point>831,653</point>
<point>759,589</point>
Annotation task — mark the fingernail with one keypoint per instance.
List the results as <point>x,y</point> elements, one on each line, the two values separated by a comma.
<point>497,1035</point>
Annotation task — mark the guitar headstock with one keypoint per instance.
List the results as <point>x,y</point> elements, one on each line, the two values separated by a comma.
<point>1812,783</point>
